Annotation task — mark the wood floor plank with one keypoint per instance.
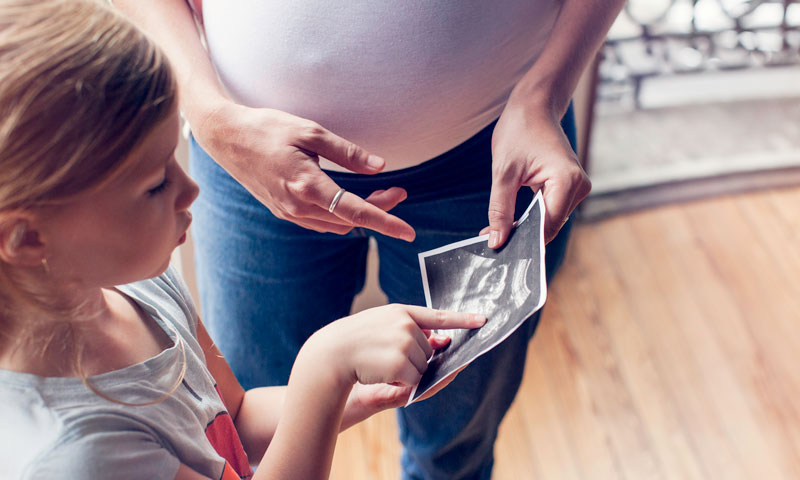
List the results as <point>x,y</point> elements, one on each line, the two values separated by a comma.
<point>660,310</point>
<point>648,387</point>
<point>613,402</point>
<point>713,346</point>
<point>765,358</point>
<point>565,370</point>
<point>774,233</point>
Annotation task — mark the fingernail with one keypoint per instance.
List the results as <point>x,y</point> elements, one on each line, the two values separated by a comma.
<point>439,337</point>
<point>375,162</point>
<point>493,239</point>
<point>478,320</point>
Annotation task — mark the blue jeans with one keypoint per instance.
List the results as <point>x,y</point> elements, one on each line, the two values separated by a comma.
<point>266,285</point>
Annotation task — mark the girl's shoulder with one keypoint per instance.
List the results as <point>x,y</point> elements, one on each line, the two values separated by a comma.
<point>55,427</point>
<point>166,297</point>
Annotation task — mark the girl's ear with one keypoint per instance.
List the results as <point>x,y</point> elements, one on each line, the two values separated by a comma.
<point>19,240</point>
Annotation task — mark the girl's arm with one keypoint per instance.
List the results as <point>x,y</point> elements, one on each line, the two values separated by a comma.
<point>384,345</point>
<point>300,423</point>
<point>255,412</point>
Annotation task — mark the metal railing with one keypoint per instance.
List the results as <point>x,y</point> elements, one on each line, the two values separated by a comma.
<point>673,37</point>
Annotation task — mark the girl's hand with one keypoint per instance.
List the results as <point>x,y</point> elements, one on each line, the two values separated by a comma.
<point>367,400</point>
<point>275,156</point>
<point>380,396</point>
<point>381,345</point>
<point>385,345</point>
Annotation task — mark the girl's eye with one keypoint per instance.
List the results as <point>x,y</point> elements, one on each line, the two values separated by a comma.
<point>159,188</point>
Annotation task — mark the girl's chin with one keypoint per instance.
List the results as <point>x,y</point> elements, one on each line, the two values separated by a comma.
<point>163,268</point>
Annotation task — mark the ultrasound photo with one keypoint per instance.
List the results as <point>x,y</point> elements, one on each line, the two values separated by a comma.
<point>507,285</point>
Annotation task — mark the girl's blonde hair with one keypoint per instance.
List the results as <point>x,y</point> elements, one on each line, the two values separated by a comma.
<point>80,88</point>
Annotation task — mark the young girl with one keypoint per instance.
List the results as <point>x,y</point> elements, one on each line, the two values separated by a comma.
<point>105,369</point>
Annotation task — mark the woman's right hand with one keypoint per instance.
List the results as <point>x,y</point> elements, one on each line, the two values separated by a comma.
<point>275,156</point>
<point>389,344</point>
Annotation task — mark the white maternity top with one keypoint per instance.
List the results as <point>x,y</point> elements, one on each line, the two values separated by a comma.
<point>405,79</point>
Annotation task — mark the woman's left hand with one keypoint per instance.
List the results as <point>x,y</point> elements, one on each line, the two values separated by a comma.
<point>530,148</point>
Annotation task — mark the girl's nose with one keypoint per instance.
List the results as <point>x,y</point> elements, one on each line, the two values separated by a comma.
<point>188,193</point>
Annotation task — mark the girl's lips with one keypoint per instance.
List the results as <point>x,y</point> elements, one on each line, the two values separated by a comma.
<point>182,238</point>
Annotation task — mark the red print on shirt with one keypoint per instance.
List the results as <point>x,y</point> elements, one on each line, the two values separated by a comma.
<point>222,435</point>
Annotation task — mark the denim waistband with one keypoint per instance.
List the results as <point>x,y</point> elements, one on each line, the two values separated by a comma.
<point>465,169</point>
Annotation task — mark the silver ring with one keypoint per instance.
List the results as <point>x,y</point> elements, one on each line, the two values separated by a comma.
<point>336,199</point>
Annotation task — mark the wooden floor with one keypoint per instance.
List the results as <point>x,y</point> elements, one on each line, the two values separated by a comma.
<point>669,349</point>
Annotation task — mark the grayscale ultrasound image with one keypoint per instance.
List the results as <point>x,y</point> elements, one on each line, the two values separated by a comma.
<point>506,285</point>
